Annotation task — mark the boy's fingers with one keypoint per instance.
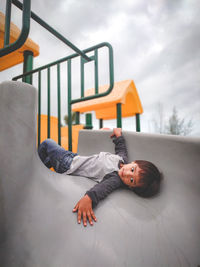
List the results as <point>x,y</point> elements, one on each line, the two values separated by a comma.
<point>79,216</point>
<point>93,216</point>
<point>84,219</point>
<point>75,208</point>
<point>89,218</point>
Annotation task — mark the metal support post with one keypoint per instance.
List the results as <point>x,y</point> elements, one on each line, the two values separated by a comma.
<point>137,117</point>
<point>119,115</point>
<point>88,118</point>
<point>77,118</point>
<point>28,66</point>
<point>100,123</point>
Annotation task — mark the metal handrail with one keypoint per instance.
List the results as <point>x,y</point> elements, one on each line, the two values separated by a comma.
<point>27,13</point>
<point>111,69</point>
<point>24,32</point>
<point>71,101</point>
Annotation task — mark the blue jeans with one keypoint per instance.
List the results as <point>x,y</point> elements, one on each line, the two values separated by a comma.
<point>53,155</point>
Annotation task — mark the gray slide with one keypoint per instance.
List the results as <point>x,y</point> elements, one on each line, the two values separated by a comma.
<point>38,228</point>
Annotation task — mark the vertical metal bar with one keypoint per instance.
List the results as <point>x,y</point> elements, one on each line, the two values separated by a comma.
<point>39,107</point>
<point>28,66</point>
<point>49,102</point>
<point>7,23</point>
<point>111,66</point>
<point>137,118</point>
<point>59,112</point>
<point>119,115</point>
<point>77,118</point>
<point>69,106</point>
<point>100,123</point>
<point>96,77</point>
<point>88,119</point>
<point>82,77</point>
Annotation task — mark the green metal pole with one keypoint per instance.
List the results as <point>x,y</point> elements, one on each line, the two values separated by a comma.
<point>59,108</point>
<point>96,77</point>
<point>7,23</point>
<point>100,123</point>
<point>88,118</point>
<point>119,115</point>
<point>82,77</point>
<point>39,106</point>
<point>28,66</point>
<point>137,117</point>
<point>49,102</point>
<point>69,106</point>
<point>77,119</point>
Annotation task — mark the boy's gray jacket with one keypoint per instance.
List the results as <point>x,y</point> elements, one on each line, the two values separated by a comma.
<point>111,181</point>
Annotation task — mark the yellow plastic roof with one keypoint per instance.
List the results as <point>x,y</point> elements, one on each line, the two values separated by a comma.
<point>15,57</point>
<point>124,92</point>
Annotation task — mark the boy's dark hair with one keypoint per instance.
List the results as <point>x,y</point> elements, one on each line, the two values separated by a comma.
<point>150,176</point>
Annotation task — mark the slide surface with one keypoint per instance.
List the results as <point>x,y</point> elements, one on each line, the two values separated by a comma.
<point>38,228</point>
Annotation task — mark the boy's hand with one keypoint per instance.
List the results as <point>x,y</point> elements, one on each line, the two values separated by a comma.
<point>116,132</point>
<point>84,208</point>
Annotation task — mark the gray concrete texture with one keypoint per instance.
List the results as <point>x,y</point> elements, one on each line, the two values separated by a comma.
<point>38,228</point>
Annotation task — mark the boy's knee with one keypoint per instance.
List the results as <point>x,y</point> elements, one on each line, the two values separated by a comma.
<point>43,146</point>
<point>47,142</point>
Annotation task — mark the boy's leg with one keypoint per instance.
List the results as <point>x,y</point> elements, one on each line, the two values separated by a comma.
<point>53,155</point>
<point>42,151</point>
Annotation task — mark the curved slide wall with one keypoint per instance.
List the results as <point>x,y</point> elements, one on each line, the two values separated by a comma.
<point>38,228</point>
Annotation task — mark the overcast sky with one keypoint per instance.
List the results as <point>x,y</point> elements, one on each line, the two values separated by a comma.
<point>156,43</point>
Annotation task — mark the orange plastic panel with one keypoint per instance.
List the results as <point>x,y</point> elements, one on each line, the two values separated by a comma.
<point>64,132</point>
<point>124,92</point>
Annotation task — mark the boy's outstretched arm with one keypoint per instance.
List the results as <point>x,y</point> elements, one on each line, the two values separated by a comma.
<point>84,208</point>
<point>101,190</point>
<point>93,196</point>
<point>120,144</point>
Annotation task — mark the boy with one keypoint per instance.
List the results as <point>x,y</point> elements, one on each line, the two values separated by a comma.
<point>109,170</point>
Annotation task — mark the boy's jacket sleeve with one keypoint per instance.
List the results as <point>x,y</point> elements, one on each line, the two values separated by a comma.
<point>101,190</point>
<point>112,180</point>
<point>120,148</point>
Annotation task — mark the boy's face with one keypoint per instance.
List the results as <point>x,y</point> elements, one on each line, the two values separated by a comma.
<point>129,174</point>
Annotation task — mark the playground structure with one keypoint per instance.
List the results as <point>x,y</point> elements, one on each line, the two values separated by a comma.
<point>123,93</point>
<point>28,60</point>
<point>122,101</point>
<point>36,221</point>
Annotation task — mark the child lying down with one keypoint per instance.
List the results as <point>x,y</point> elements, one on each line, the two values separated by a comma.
<point>111,171</point>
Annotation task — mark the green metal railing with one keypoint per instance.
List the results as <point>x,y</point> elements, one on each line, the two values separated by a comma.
<point>69,59</point>
<point>84,58</point>
<point>28,64</point>
<point>8,48</point>
<point>26,15</point>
